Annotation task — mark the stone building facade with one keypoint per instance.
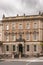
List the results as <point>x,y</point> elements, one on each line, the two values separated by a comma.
<point>22,35</point>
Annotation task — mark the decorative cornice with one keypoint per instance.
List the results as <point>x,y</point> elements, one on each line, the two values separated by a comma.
<point>18,18</point>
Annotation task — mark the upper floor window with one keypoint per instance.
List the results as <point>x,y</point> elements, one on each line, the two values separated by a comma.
<point>13,26</point>
<point>13,47</point>
<point>20,36</point>
<point>35,26</point>
<point>42,25</point>
<point>20,26</point>
<point>34,47</point>
<point>13,37</point>
<point>7,27</point>
<point>7,48</point>
<point>27,47</point>
<point>27,36</point>
<point>28,26</point>
<point>35,36</point>
<point>7,37</point>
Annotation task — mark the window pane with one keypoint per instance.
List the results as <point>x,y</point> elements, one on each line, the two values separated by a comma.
<point>35,36</point>
<point>13,37</point>
<point>7,27</point>
<point>20,26</point>
<point>28,26</point>
<point>34,47</point>
<point>13,47</point>
<point>27,47</point>
<point>13,26</point>
<point>27,36</point>
<point>7,48</point>
<point>35,25</point>
<point>7,38</point>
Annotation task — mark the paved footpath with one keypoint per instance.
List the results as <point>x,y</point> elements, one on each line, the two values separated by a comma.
<point>40,59</point>
<point>30,61</point>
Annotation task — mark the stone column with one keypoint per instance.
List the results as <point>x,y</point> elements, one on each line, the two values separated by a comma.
<point>20,55</point>
<point>13,55</point>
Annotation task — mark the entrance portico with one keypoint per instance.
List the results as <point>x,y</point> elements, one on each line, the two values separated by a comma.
<point>20,45</point>
<point>20,48</point>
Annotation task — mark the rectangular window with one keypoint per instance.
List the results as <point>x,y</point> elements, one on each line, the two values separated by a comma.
<point>13,26</point>
<point>35,25</point>
<point>42,25</point>
<point>13,47</point>
<point>34,47</point>
<point>35,36</point>
<point>7,27</point>
<point>7,48</point>
<point>27,36</point>
<point>7,37</point>
<point>42,47</point>
<point>28,26</point>
<point>13,37</point>
<point>20,26</point>
<point>27,47</point>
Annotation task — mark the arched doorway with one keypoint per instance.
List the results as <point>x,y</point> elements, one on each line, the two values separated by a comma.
<point>20,48</point>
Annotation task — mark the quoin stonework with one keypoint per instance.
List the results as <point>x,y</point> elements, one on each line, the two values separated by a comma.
<point>21,36</point>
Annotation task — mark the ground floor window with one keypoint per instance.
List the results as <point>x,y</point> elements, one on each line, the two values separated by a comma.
<point>34,47</point>
<point>27,47</point>
<point>7,48</point>
<point>42,47</point>
<point>13,47</point>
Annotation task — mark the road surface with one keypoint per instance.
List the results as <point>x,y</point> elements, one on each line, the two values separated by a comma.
<point>21,63</point>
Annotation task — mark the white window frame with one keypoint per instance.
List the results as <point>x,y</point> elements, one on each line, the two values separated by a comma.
<point>35,36</point>
<point>35,47</point>
<point>7,27</point>
<point>7,47</point>
<point>28,47</point>
<point>14,37</point>
<point>20,26</point>
<point>28,26</point>
<point>7,37</point>
<point>35,25</point>
<point>27,36</point>
<point>13,26</point>
<point>14,47</point>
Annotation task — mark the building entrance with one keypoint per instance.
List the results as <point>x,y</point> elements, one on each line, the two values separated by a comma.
<point>20,48</point>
